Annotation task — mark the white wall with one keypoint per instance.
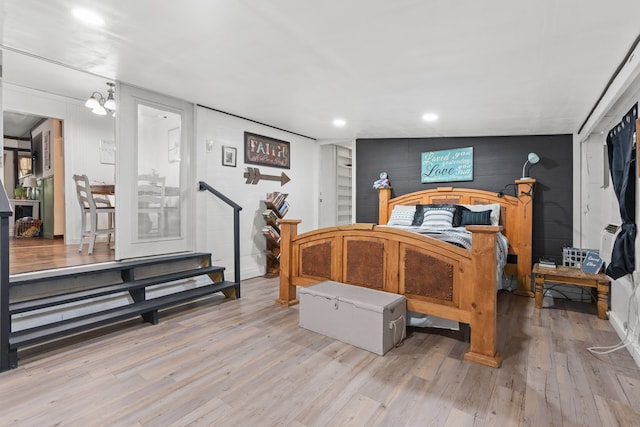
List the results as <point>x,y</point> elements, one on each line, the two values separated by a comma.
<point>215,218</point>
<point>82,132</point>
<point>598,205</point>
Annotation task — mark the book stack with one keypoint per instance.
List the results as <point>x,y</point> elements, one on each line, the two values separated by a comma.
<point>547,262</point>
<point>275,253</point>
<point>276,199</point>
<point>276,208</point>
<point>271,232</point>
<point>284,207</point>
<point>271,215</point>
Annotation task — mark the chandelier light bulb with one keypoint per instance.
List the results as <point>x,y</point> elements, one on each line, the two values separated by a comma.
<point>99,110</point>
<point>100,105</point>
<point>92,102</point>
<point>110,103</point>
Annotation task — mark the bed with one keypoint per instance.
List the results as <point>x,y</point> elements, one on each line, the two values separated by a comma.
<point>437,278</point>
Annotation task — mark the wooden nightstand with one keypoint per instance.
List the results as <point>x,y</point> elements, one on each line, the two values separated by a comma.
<point>576,277</point>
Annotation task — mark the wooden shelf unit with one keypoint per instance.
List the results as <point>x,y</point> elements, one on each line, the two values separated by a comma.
<point>276,207</point>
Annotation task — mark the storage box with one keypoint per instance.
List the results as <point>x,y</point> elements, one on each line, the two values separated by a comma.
<point>370,319</point>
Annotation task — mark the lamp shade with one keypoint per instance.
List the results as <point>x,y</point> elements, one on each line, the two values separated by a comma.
<point>29,181</point>
<point>110,104</point>
<point>532,158</point>
<point>92,102</point>
<point>99,110</point>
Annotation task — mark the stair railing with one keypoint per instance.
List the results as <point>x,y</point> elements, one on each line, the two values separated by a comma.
<point>5,317</point>
<point>202,186</point>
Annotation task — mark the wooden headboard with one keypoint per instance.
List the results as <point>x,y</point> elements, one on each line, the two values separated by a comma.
<point>516,218</point>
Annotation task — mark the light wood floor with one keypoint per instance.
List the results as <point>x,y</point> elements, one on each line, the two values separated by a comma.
<point>37,253</point>
<point>247,363</point>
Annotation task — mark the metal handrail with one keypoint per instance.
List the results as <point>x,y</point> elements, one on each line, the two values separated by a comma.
<point>202,186</point>
<point>5,317</point>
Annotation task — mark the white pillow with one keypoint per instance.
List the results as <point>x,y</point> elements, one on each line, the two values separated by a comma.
<point>437,218</point>
<point>402,215</point>
<point>495,211</point>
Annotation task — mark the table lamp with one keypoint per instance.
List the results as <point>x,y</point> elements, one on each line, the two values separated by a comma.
<point>30,183</point>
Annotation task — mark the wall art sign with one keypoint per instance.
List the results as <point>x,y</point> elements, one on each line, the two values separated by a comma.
<point>107,152</point>
<point>46,152</point>
<point>447,165</point>
<point>228,156</point>
<point>592,262</point>
<point>262,150</point>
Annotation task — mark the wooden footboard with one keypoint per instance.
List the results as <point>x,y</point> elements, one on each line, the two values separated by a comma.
<point>436,277</point>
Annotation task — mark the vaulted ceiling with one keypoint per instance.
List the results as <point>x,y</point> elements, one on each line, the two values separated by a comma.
<point>495,67</point>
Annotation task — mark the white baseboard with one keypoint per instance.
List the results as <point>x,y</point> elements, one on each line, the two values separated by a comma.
<point>250,273</point>
<point>634,348</point>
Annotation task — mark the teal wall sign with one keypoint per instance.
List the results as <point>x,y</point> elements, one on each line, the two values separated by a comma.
<point>447,165</point>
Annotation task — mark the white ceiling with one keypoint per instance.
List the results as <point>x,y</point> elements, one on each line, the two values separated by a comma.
<point>492,67</point>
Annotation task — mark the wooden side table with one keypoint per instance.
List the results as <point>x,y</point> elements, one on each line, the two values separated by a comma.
<point>576,277</point>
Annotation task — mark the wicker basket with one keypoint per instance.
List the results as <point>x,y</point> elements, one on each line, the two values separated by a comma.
<point>27,227</point>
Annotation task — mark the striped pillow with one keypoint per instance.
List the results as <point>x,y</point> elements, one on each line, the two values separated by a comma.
<point>402,215</point>
<point>493,207</point>
<point>437,218</point>
<point>420,210</point>
<point>476,218</point>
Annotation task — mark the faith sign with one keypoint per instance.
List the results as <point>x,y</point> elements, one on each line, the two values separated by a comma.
<point>262,150</point>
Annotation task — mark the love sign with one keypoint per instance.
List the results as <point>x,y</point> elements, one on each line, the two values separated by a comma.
<point>447,165</point>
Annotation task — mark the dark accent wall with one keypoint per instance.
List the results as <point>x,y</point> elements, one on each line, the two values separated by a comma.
<point>497,162</point>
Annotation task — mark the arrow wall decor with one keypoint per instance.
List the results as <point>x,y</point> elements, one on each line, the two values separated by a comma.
<point>253,175</point>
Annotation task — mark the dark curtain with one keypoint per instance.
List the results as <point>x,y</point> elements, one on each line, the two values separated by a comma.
<point>622,165</point>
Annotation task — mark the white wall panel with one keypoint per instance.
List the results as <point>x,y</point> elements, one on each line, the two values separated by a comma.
<point>215,218</point>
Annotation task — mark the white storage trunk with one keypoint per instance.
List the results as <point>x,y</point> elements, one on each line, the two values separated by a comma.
<point>369,319</point>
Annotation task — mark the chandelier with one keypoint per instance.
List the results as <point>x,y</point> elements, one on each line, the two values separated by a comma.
<point>100,105</point>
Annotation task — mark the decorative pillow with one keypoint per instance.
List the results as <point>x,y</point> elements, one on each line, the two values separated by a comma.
<point>402,215</point>
<point>437,218</point>
<point>420,209</point>
<point>475,218</point>
<point>494,208</point>
<point>457,215</point>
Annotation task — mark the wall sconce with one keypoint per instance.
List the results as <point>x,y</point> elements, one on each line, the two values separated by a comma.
<point>100,105</point>
<point>532,158</point>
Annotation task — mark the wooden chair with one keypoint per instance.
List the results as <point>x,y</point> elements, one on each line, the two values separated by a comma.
<point>151,205</point>
<point>93,207</point>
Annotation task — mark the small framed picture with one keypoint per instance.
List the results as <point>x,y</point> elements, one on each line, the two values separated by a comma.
<point>229,156</point>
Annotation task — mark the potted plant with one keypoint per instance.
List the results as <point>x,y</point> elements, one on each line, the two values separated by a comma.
<point>20,193</point>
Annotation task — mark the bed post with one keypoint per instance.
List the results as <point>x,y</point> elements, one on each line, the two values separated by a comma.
<point>288,230</point>
<point>525,236</point>
<point>482,348</point>
<point>384,195</point>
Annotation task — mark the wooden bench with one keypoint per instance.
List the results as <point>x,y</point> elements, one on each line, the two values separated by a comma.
<point>575,277</point>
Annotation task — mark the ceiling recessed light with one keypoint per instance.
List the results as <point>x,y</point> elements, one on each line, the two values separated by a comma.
<point>340,123</point>
<point>88,17</point>
<point>429,117</point>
